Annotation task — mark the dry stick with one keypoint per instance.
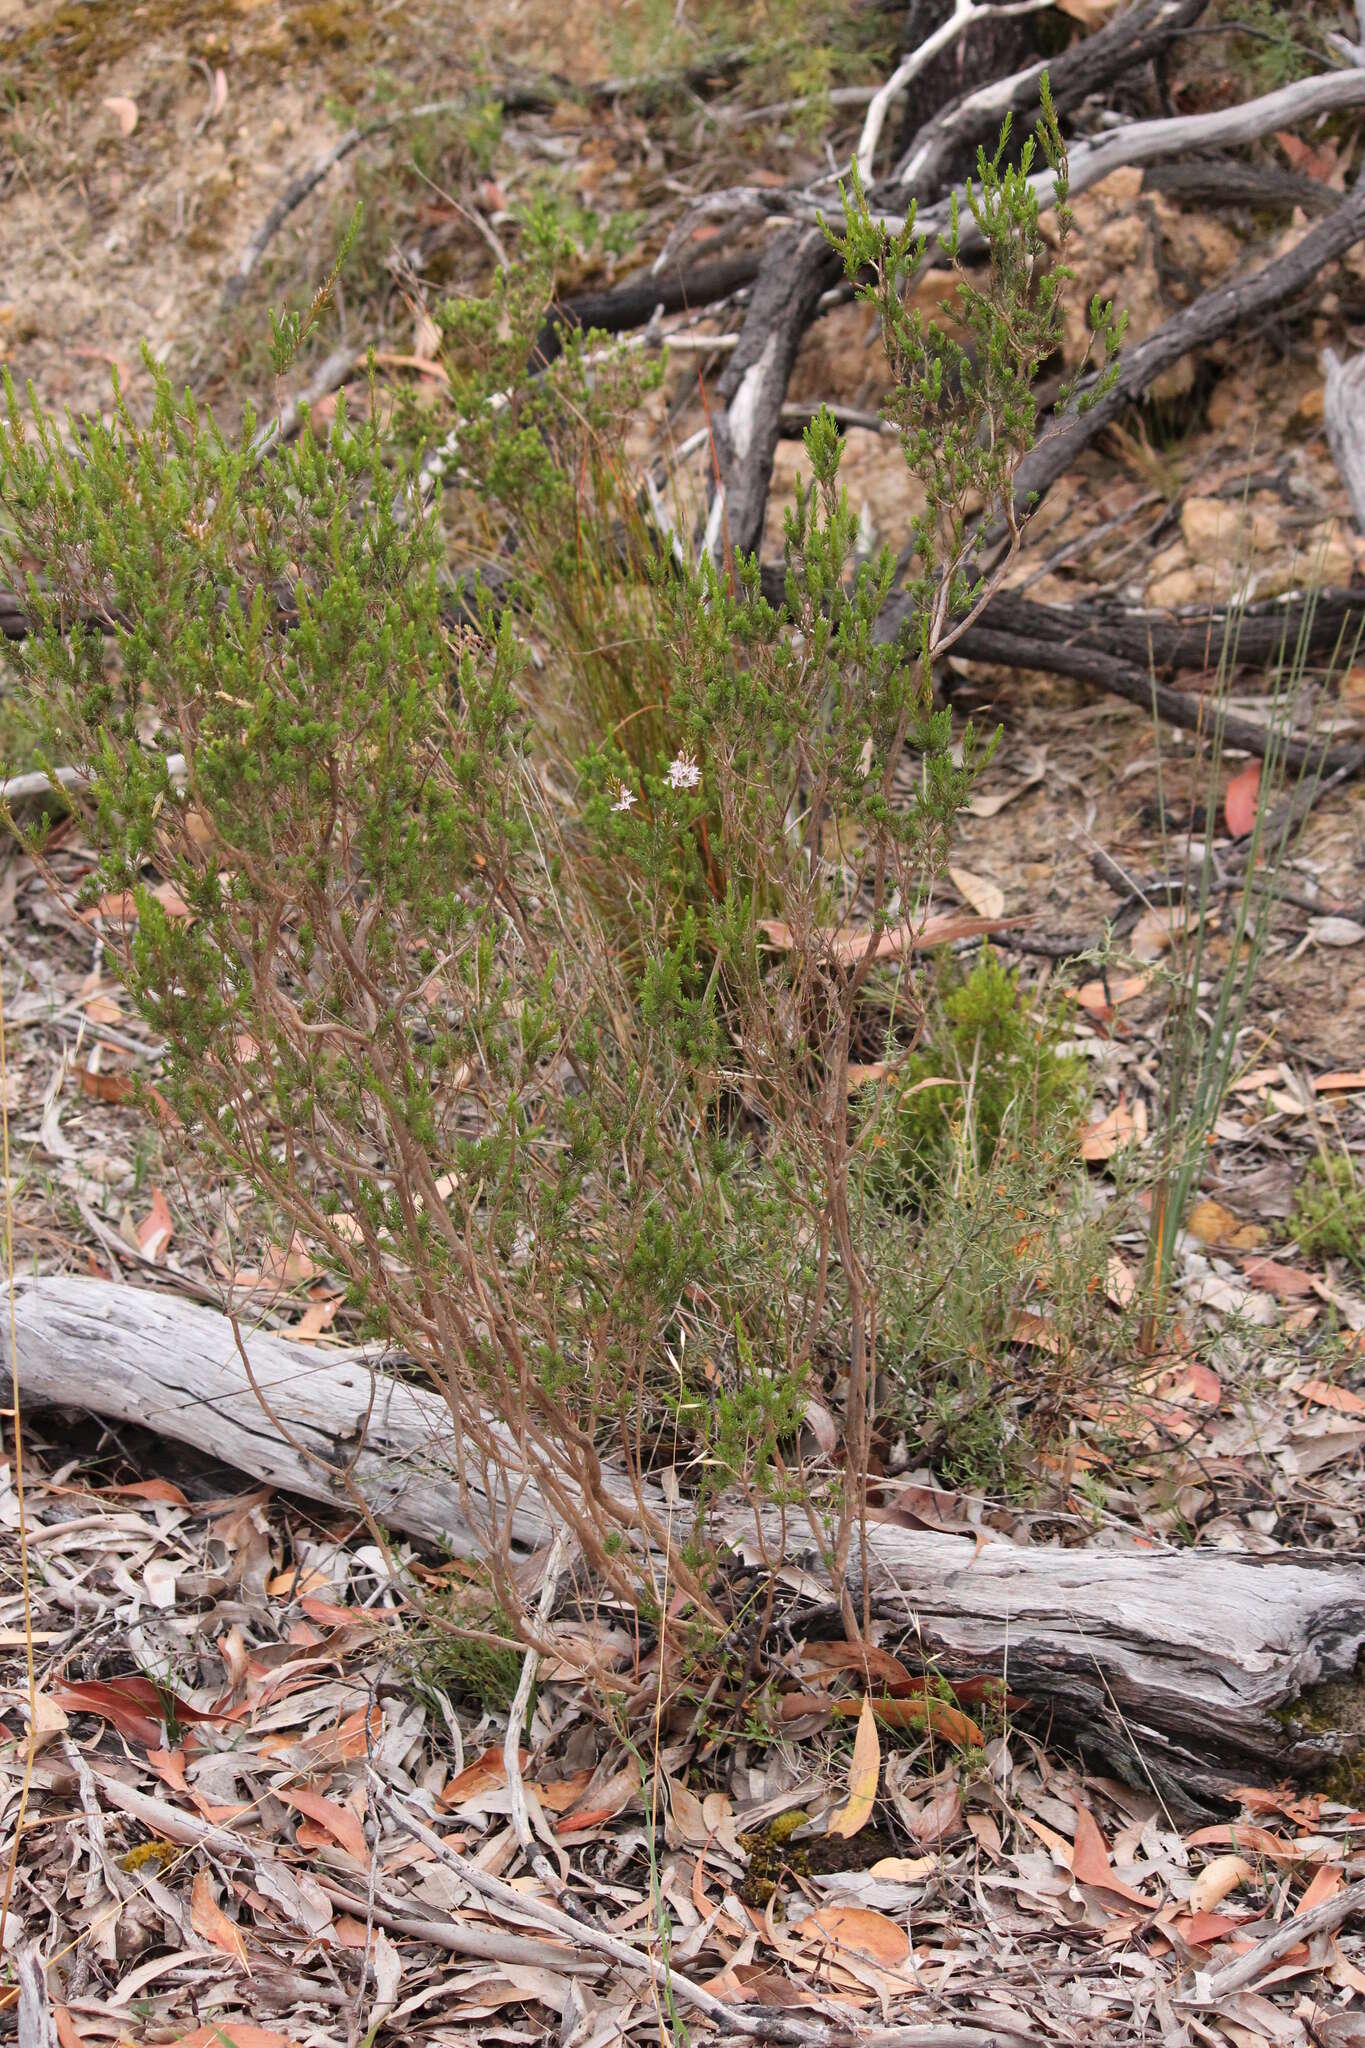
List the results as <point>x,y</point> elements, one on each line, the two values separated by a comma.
<point>964,13</point>
<point>37,2026</point>
<point>1343,411</point>
<point>1211,1986</point>
<point>1147,142</point>
<point>1131,39</point>
<point>521,1815</point>
<point>1207,1644</point>
<point>634,303</point>
<point>799,265</point>
<point>485,1944</point>
<point>982,642</point>
<point>755,2024</point>
<point>1222,180</point>
<point>1234,304</point>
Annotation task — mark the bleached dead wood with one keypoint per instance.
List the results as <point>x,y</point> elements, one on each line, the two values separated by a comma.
<point>1343,413</point>
<point>1181,1656</point>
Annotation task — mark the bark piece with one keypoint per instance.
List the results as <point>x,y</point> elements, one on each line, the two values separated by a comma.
<point>1343,409</point>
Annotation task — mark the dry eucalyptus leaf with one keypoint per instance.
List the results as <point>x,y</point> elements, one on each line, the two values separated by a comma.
<point>1121,1127</point>
<point>1216,1880</point>
<point>864,1770</point>
<point>124,112</point>
<point>985,897</point>
<point>1336,931</point>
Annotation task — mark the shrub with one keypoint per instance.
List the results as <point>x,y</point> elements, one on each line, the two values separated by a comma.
<point>1328,1216</point>
<point>551,1065</point>
<point>991,1075</point>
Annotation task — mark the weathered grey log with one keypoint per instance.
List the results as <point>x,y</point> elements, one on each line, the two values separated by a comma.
<point>1343,413</point>
<point>1183,1657</point>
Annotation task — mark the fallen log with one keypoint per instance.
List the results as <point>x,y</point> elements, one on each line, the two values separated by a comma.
<point>1174,1666</point>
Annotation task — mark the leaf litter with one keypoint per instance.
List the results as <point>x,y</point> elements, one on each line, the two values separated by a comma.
<point>205,1855</point>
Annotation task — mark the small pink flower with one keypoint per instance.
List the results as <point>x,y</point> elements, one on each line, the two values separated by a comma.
<point>683,773</point>
<point>625,798</point>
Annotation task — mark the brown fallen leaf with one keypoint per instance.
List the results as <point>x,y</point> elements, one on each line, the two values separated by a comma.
<point>1102,998</point>
<point>124,112</point>
<point>1090,1860</point>
<point>876,1665</point>
<point>1201,1930</point>
<point>339,1821</point>
<point>1327,1881</point>
<point>239,2034</point>
<point>860,1930</point>
<point>208,1919</point>
<point>979,892</point>
<point>1122,1126</point>
<point>69,2034</point>
<point>1257,1841</point>
<point>1322,1394</point>
<point>864,1771</point>
<point>1286,1283</point>
<point>1345,1083</point>
<point>1241,799</point>
<point>904,1869</point>
<point>847,948</point>
<point>153,1235</point>
<point>135,1705</point>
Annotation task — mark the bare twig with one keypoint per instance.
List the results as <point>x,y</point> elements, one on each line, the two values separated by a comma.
<point>1131,38</point>
<point>1212,1986</point>
<point>1147,142</point>
<point>1232,306</point>
<point>964,13</point>
<point>1343,411</point>
<point>521,1813</point>
<point>806,2030</point>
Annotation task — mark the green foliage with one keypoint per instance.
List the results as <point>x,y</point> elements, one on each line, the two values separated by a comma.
<point>1268,45</point>
<point>470,1655</point>
<point>1328,1216</point>
<point>529,998</point>
<point>993,1305</point>
<point>1009,1084</point>
<point>1208,998</point>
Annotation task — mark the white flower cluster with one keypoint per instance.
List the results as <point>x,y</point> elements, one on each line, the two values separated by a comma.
<point>683,773</point>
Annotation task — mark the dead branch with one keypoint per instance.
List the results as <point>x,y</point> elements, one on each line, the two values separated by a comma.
<point>959,20</point>
<point>1234,305</point>
<point>1123,46</point>
<point>1343,408</point>
<point>1188,1654</point>
<point>631,304</point>
<point>1225,181</point>
<point>984,641</point>
<point>1211,1987</point>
